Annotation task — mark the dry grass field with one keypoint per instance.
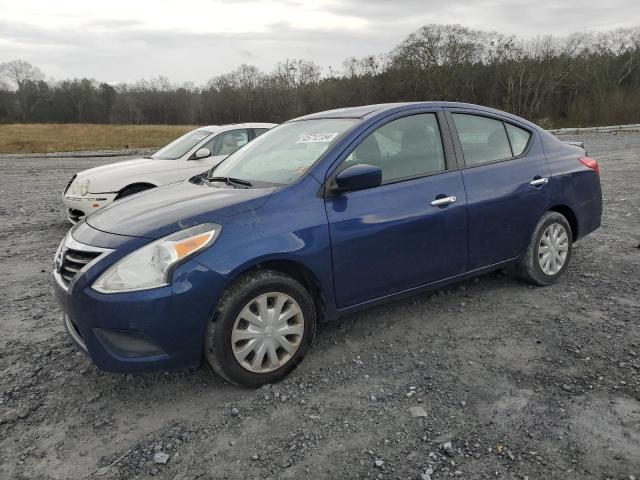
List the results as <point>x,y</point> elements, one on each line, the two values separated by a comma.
<point>50,137</point>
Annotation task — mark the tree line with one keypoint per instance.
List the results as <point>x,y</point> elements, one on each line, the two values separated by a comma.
<point>582,79</point>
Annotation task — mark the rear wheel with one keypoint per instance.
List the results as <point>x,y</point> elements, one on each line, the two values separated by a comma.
<point>262,329</point>
<point>132,190</point>
<point>549,250</point>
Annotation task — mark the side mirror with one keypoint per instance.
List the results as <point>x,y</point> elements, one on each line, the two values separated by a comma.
<point>359,177</point>
<point>203,153</point>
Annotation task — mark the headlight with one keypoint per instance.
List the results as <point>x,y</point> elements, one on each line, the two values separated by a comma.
<point>151,265</point>
<point>73,177</point>
<point>82,187</point>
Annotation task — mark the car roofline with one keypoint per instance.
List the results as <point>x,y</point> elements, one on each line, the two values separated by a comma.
<point>362,112</point>
<point>231,126</point>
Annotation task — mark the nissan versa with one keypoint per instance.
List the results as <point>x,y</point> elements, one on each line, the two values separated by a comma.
<point>321,216</point>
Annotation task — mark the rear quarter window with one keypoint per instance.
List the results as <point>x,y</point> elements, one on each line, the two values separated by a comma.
<point>519,138</point>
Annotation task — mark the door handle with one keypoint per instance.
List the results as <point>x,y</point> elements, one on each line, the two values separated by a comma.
<point>539,181</point>
<point>438,202</point>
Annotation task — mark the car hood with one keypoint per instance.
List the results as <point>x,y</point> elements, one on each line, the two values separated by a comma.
<point>114,176</point>
<point>160,211</point>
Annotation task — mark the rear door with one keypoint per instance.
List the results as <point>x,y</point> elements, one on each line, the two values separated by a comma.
<point>391,238</point>
<point>506,178</point>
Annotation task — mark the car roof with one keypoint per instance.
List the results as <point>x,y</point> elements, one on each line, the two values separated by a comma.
<point>351,112</point>
<point>234,126</point>
<point>369,111</point>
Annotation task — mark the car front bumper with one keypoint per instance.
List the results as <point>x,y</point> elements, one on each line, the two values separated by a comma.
<point>79,206</point>
<point>149,330</point>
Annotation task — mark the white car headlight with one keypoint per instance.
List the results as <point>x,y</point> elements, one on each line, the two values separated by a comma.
<point>81,187</point>
<point>150,266</point>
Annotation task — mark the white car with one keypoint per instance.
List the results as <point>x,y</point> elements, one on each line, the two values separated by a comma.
<point>193,153</point>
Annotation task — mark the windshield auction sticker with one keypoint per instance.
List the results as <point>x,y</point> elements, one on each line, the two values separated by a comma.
<point>317,138</point>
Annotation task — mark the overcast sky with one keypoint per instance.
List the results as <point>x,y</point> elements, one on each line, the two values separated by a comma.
<point>193,40</point>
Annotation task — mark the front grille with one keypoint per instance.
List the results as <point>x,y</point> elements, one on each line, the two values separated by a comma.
<point>72,257</point>
<point>73,261</point>
<point>75,215</point>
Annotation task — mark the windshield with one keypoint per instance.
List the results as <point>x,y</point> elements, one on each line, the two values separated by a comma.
<point>179,147</point>
<point>281,155</point>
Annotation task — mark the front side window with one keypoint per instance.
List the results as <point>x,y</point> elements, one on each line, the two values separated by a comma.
<point>284,153</point>
<point>482,139</point>
<point>407,147</point>
<point>227,143</point>
<point>259,131</point>
<point>181,146</point>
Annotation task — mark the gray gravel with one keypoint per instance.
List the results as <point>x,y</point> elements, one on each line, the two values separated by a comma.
<point>516,382</point>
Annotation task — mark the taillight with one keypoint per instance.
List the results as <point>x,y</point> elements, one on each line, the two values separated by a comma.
<point>590,163</point>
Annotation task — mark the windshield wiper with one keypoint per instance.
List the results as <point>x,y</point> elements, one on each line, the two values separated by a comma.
<point>234,182</point>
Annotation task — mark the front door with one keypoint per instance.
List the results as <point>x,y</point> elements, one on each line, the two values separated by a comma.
<point>223,145</point>
<point>411,230</point>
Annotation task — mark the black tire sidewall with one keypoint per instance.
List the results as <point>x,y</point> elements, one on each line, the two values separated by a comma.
<point>534,267</point>
<point>218,337</point>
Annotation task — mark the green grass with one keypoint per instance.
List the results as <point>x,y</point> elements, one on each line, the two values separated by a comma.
<point>50,137</point>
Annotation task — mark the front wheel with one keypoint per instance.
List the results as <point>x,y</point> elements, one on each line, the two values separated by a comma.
<point>262,329</point>
<point>549,250</point>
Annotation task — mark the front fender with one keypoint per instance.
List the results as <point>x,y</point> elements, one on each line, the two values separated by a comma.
<point>115,185</point>
<point>114,177</point>
<point>291,227</point>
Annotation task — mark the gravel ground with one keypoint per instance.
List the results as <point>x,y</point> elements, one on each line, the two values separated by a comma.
<point>490,378</point>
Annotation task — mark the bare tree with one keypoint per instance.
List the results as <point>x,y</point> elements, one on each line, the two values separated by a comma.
<point>582,79</point>
<point>79,93</point>
<point>19,73</point>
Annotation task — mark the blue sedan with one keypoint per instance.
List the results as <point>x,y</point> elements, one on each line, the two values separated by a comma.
<point>321,216</point>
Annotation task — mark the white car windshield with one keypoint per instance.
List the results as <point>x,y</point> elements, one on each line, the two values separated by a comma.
<point>179,147</point>
<point>281,155</point>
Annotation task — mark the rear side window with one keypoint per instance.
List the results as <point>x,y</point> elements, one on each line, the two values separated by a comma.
<point>482,139</point>
<point>518,137</point>
<point>259,131</point>
<point>407,147</point>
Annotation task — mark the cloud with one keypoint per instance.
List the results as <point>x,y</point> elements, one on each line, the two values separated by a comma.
<point>247,54</point>
<point>127,52</point>
<point>521,17</point>
<point>207,38</point>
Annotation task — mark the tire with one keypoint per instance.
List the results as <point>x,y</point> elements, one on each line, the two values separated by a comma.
<point>224,338</point>
<point>132,190</point>
<point>530,268</point>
